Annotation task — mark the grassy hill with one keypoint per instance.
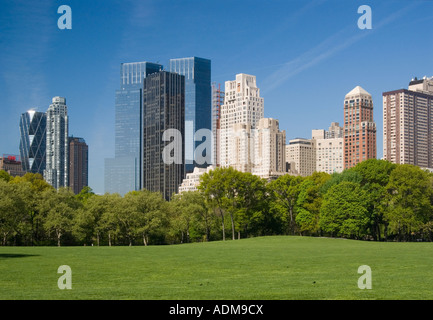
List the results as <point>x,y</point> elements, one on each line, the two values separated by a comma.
<point>266,268</point>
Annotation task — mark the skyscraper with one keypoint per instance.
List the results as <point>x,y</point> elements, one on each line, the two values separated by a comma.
<point>269,149</point>
<point>242,104</point>
<point>78,164</point>
<point>359,128</point>
<point>301,157</point>
<point>123,172</point>
<point>198,102</point>
<point>33,141</point>
<point>163,132</point>
<point>408,124</point>
<point>57,145</point>
<point>217,102</point>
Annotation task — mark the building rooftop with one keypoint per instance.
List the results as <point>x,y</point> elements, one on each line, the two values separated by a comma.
<point>357,91</point>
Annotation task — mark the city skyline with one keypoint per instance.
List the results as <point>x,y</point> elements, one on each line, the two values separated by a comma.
<point>304,60</point>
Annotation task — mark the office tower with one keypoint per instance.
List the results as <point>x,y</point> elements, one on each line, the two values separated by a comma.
<point>329,149</point>
<point>33,141</point>
<point>301,157</point>
<point>217,102</point>
<point>359,128</point>
<point>57,145</point>
<point>123,172</point>
<point>198,103</point>
<point>242,104</point>
<point>269,149</point>
<point>12,165</point>
<point>163,132</point>
<point>78,164</point>
<point>408,124</point>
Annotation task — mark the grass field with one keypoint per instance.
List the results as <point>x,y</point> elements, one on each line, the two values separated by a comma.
<point>267,268</point>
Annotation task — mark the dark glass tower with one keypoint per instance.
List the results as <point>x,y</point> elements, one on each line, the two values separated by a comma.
<point>123,172</point>
<point>163,132</point>
<point>198,102</point>
<point>78,164</point>
<point>33,141</point>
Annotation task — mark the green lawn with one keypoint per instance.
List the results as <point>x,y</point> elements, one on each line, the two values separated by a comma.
<point>267,268</point>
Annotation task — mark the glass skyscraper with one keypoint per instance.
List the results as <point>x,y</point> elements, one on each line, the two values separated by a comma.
<point>57,144</point>
<point>163,132</point>
<point>123,172</point>
<point>198,102</point>
<point>33,141</point>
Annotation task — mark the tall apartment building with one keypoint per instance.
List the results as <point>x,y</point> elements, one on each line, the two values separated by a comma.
<point>56,172</point>
<point>33,141</point>
<point>359,128</point>
<point>242,104</point>
<point>198,103</point>
<point>78,164</point>
<point>163,132</point>
<point>217,102</point>
<point>123,172</point>
<point>269,149</point>
<point>408,124</point>
<point>301,157</point>
<point>329,149</point>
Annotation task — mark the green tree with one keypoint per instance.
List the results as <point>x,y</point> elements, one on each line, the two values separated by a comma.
<point>309,202</point>
<point>285,191</point>
<point>58,208</point>
<point>409,200</point>
<point>190,213</point>
<point>343,211</point>
<point>12,208</point>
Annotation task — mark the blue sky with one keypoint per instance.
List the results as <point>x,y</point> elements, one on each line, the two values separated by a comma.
<point>306,56</point>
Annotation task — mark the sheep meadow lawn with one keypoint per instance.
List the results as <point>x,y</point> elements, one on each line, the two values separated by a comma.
<point>262,268</point>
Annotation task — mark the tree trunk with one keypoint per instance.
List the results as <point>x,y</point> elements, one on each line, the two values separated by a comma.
<point>144,240</point>
<point>233,226</point>
<point>59,234</point>
<point>222,222</point>
<point>109,239</point>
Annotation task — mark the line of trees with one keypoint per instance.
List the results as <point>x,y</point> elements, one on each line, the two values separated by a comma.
<point>376,200</point>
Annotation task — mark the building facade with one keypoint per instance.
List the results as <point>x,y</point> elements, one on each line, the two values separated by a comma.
<point>301,157</point>
<point>78,164</point>
<point>33,127</point>
<point>12,165</point>
<point>217,102</point>
<point>242,104</point>
<point>163,133</point>
<point>56,172</point>
<point>329,149</point>
<point>192,180</point>
<point>123,172</point>
<point>198,103</point>
<point>408,124</point>
<point>269,149</point>
<point>359,128</point>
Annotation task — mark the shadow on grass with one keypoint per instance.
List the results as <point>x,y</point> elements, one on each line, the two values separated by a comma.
<point>16,255</point>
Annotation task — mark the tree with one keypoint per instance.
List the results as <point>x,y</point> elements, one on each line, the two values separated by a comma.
<point>213,189</point>
<point>12,208</point>
<point>309,202</point>
<point>190,212</point>
<point>285,191</point>
<point>343,211</point>
<point>32,195</point>
<point>409,200</point>
<point>108,223</point>
<point>58,208</point>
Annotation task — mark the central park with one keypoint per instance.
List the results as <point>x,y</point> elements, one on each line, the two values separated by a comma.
<point>236,237</point>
